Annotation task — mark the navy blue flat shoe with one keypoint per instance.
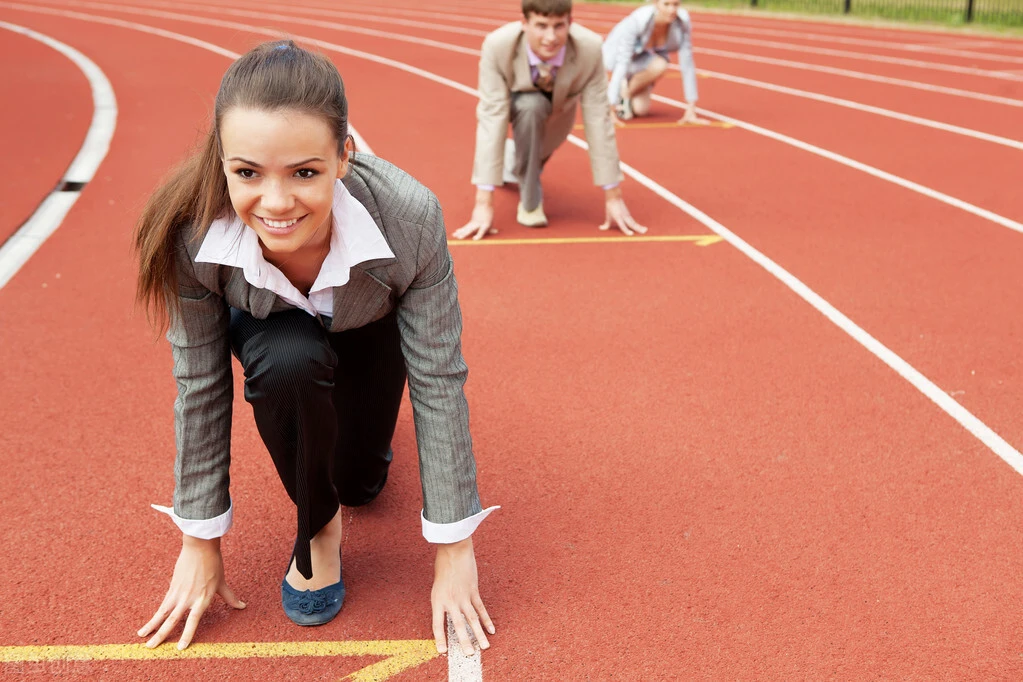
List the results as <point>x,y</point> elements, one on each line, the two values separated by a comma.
<point>312,607</point>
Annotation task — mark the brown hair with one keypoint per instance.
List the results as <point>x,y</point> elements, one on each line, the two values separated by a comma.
<point>270,77</point>
<point>548,8</point>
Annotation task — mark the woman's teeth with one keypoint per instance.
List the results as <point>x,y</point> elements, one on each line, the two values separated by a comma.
<point>279,223</point>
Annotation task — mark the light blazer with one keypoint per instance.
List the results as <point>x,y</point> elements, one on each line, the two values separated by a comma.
<point>418,281</point>
<point>629,39</point>
<point>504,70</point>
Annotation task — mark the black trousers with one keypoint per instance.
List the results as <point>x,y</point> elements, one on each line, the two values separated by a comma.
<point>325,405</point>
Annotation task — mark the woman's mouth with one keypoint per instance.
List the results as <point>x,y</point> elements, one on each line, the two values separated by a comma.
<point>279,227</point>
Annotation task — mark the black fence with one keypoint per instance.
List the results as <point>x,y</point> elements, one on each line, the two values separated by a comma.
<point>1006,12</point>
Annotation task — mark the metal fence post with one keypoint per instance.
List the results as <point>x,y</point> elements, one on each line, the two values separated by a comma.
<point>969,11</point>
<point>848,6</point>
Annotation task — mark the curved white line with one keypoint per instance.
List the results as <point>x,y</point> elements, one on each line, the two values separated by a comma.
<point>862,75</point>
<point>968,420</point>
<point>868,108</point>
<point>901,82</point>
<point>959,413</point>
<point>333,25</point>
<point>846,54</point>
<point>866,42</point>
<point>45,220</point>
<point>610,21</point>
<point>360,141</point>
<point>852,163</point>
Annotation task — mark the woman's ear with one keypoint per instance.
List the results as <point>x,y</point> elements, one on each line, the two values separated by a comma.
<point>346,157</point>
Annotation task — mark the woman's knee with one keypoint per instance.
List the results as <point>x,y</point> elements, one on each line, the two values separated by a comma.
<point>658,65</point>
<point>641,103</point>
<point>287,356</point>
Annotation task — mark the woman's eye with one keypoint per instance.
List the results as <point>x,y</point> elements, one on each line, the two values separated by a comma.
<point>306,173</point>
<point>246,173</point>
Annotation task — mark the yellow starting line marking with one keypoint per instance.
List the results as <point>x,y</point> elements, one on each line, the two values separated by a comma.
<point>697,239</point>
<point>669,124</point>
<point>400,654</point>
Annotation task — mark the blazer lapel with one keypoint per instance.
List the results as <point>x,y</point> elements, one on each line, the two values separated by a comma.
<point>564,77</point>
<point>522,80</point>
<point>360,190</point>
<point>358,302</point>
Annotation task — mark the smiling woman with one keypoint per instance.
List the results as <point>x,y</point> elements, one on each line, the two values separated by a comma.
<point>286,202</point>
<point>327,274</point>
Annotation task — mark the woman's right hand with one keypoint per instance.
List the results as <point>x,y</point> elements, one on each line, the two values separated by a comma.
<point>198,576</point>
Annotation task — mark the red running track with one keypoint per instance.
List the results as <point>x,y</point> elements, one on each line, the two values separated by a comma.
<point>701,476</point>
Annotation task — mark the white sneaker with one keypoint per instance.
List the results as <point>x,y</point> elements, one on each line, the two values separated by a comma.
<point>508,177</point>
<point>534,218</point>
<point>625,109</point>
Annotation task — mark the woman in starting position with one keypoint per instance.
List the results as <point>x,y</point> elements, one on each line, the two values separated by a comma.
<point>327,274</point>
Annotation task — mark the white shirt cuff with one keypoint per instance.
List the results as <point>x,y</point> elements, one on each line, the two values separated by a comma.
<point>204,529</point>
<point>611,186</point>
<point>485,188</point>
<point>446,533</point>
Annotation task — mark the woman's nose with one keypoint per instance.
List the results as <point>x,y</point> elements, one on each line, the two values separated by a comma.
<point>276,198</point>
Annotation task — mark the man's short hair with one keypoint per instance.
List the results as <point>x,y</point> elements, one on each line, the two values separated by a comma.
<point>548,8</point>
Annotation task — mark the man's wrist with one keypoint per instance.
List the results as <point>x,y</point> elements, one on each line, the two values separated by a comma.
<point>484,197</point>
<point>613,193</point>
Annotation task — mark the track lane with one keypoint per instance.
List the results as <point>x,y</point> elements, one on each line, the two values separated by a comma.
<point>851,138</point>
<point>987,115</point>
<point>43,128</point>
<point>930,70</point>
<point>886,236</point>
<point>120,437</point>
<point>905,218</point>
<point>737,608</point>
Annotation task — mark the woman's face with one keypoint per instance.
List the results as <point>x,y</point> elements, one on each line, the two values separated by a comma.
<point>281,167</point>
<point>666,11</point>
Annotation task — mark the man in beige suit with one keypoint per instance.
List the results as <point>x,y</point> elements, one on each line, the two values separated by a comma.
<point>533,75</point>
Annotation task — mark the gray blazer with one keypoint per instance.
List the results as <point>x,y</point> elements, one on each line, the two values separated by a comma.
<point>418,281</point>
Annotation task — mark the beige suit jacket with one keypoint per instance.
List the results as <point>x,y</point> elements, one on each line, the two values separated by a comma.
<point>504,71</point>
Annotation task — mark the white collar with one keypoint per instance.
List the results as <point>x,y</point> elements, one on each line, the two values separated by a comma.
<point>355,238</point>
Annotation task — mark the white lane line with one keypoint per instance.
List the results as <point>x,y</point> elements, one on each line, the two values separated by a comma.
<point>861,75</point>
<point>967,419</point>
<point>45,220</point>
<point>844,160</point>
<point>851,163</point>
<point>960,414</point>
<point>361,143</point>
<point>849,104</point>
<point>462,668</point>
<point>333,25</point>
<point>378,18</point>
<point>610,20</point>
<point>866,42</point>
<point>846,54</point>
<point>958,92</point>
<point>738,79</point>
<point>463,50</point>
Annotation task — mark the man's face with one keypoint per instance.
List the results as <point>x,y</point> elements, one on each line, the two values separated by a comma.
<point>546,35</point>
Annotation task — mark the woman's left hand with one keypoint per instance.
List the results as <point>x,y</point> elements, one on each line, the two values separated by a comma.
<point>456,592</point>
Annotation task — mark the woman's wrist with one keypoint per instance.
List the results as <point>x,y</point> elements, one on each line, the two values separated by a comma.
<point>199,543</point>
